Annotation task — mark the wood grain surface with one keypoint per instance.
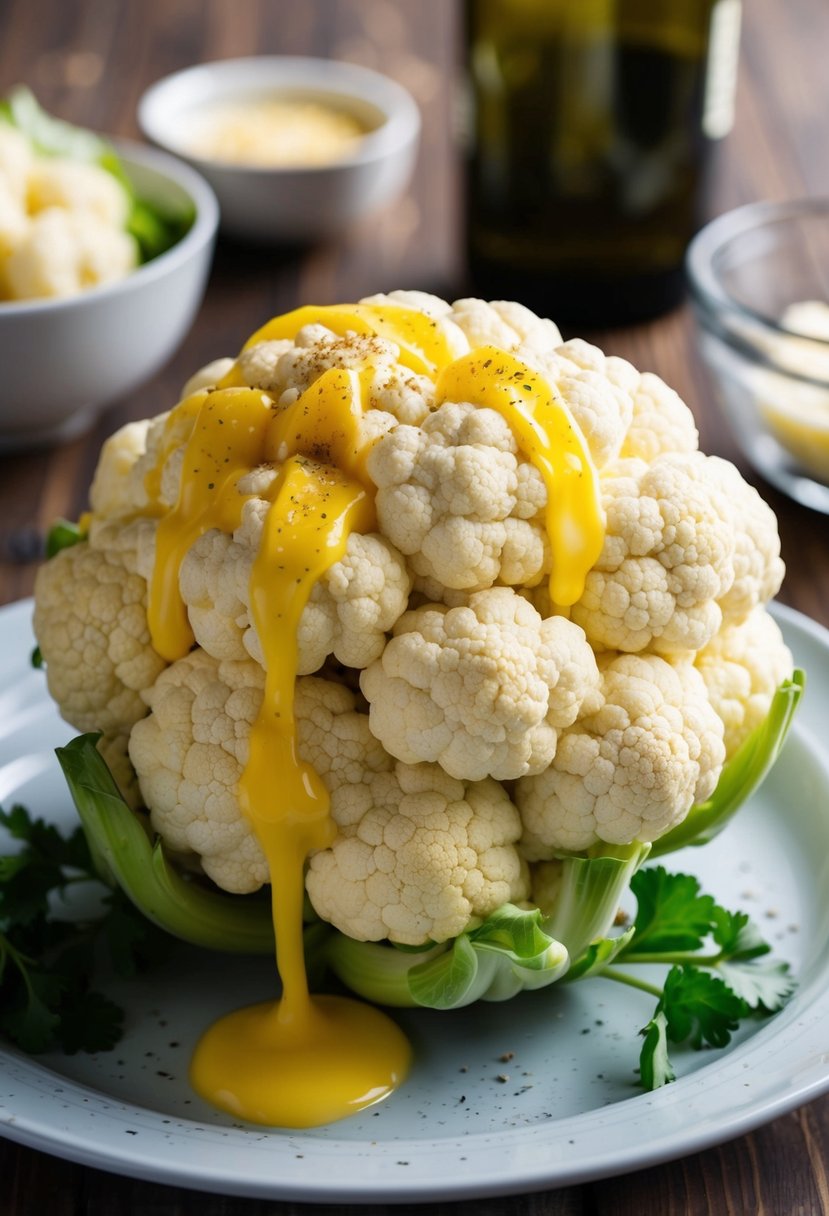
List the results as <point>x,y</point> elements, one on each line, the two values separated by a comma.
<point>89,61</point>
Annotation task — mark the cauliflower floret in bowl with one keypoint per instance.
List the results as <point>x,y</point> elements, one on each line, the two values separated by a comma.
<point>90,336</point>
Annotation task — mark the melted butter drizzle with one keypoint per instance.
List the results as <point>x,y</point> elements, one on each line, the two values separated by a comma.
<point>306,531</point>
<point>547,433</point>
<point>178,427</point>
<point>425,344</point>
<point>225,442</point>
<point>325,424</point>
<point>542,424</point>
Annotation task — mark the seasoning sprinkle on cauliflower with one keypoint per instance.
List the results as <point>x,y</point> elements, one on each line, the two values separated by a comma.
<point>496,765</point>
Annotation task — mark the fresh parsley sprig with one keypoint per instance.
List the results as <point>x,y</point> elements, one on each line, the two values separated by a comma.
<point>48,959</point>
<point>715,980</point>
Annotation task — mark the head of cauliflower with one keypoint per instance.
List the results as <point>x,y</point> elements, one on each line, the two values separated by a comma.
<point>470,724</point>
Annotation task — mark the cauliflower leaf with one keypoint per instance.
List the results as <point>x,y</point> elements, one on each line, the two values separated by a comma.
<point>126,857</point>
<point>741,775</point>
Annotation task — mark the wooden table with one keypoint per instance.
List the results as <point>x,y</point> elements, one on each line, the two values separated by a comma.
<point>89,60</point>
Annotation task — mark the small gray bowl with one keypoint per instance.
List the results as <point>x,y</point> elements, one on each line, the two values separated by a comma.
<point>300,203</point>
<point>751,271</point>
<point>64,360</point>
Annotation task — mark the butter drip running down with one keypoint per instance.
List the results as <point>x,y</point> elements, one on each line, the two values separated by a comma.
<point>306,1060</point>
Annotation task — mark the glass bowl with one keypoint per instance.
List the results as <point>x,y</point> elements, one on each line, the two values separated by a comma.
<point>759,280</point>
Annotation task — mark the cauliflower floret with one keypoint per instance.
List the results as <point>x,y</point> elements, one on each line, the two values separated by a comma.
<point>505,324</point>
<point>14,224</point>
<point>77,187</point>
<point>354,604</point>
<point>483,690</point>
<point>457,497</point>
<point>258,364</point>
<point>417,855</point>
<point>15,162</point>
<point>163,457</point>
<point>668,557</point>
<point>742,667</point>
<point>286,370</point>
<point>420,301</point>
<point>348,613</point>
<point>630,771</point>
<point>408,397</point>
<point>661,421</point>
<point>111,492</point>
<point>90,621</point>
<point>758,567</point>
<point>688,544</point>
<point>130,541</point>
<point>207,377</point>
<point>597,389</point>
<point>66,252</point>
<point>189,754</point>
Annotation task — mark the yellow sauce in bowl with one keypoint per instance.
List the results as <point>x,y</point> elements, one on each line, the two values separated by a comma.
<point>274,133</point>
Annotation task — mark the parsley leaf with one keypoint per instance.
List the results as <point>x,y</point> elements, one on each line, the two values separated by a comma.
<point>765,987</point>
<point>699,1007</point>
<point>28,1016</point>
<point>716,978</point>
<point>737,936</point>
<point>671,912</point>
<point>47,961</point>
<point>655,1068</point>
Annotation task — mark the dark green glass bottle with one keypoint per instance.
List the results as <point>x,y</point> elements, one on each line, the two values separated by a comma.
<point>591,127</point>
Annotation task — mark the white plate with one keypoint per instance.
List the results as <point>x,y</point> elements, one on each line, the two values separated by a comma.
<point>570,1110</point>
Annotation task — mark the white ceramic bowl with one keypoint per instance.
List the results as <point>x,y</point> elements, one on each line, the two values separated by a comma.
<point>292,203</point>
<point>63,360</point>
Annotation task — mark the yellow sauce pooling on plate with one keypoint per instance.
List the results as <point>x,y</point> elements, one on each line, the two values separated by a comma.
<point>274,133</point>
<point>304,1060</point>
